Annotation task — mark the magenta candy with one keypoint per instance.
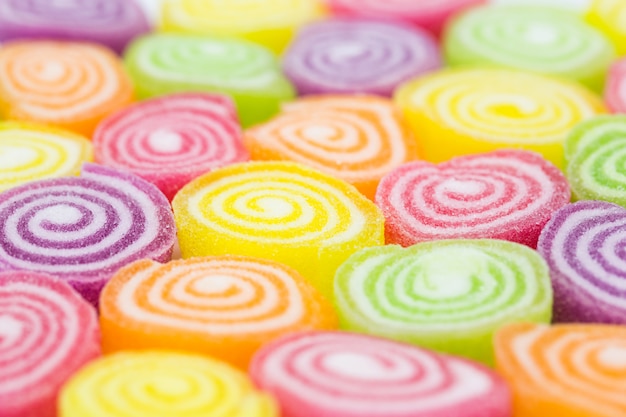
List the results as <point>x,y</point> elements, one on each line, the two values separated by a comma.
<point>83,229</point>
<point>615,91</point>
<point>356,56</point>
<point>47,332</point>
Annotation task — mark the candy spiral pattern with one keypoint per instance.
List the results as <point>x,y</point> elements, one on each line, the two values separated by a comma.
<point>615,91</point>
<point>564,370</point>
<point>47,332</point>
<point>357,139</point>
<point>31,152</point>
<point>110,22</point>
<point>539,39</point>
<point>505,194</point>
<point>85,228</point>
<point>460,112</point>
<point>71,85</point>
<point>280,211</point>
<point>609,16</point>
<point>447,295</point>
<point>355,56</point>
<point>347,375</point>
<point>162,384</point>
<point>171,140</point>
<point>226,307</point>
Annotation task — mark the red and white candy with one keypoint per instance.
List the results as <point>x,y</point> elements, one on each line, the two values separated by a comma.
<point>615,91</point>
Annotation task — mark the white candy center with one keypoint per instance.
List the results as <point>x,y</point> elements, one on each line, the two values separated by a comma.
<point>165,141</point>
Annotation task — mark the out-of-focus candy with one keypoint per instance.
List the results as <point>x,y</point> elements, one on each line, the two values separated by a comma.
<point>448,295</point>
<point>506,194</point>
<point>171,140</point>
<point>47,332</point>
<point>356,56</point>
<point>578,6</point>
<point>460,112</point>
<point>355,138</point>
<point>538,39</point>
<point>615,91</point>
<point>165,63</point>
<point>30,152</point>
<point>609,16</point>
<point>110,22</point>
<point>566,370</point>
<point>280,211</point>
<point>83,229</point>
<point>349,375</point>
<point>162,384</point>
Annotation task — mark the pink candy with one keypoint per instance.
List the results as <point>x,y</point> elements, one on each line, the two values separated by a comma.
<point>615,91</point>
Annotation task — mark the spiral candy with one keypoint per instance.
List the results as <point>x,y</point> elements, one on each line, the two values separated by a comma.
<point>357,139</point>
<point>171,140</point>
<point>448,295</point>
<point>162,384</point>
<point>355,56</point>
<point>506,194</point>
<point>280,211</point>
<point>565,370</point>
<point>83,229</point>
<point>615,92</point>
<point>349,375</point>
<point>165,63</point>
<point>609,16</point>
<point>460,112</point>
<point>47,332</point>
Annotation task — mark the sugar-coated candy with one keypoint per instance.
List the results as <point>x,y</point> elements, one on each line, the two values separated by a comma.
<point>583,246</point>
<point>162,384</point>
<point>223,306</point>
<point>468,111</point>
<point>280,211</point>
<point>507,194</point>
<point>609,16</point>
<point>539,39</point>
<point>31,152</point>
<point>356,138</point>
<point>167,63</point>
<point>358,56</point>
<point>447,295</point>
<point>83,229</point>
<point>429,14</point>
<point>47,332</point>
<point>110,22</point>
<point>565,370</point>
<point>577,6</point>
<point>615,91</point>
<point>171,140</point>
<point>349,375</point>
<point>594,151</point>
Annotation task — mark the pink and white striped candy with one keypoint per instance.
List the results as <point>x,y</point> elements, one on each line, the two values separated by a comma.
<point>47,332</point>
<point>335,374</point>
<point>615,91</point>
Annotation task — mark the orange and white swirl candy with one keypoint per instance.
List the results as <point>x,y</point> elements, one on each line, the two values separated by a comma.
<point>564,370</point>
<point>355,138</point>
<point>71,85</point>
<point>227,307</point>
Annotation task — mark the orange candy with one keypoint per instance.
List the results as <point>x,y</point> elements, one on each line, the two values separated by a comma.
<point>68,84</point>
<point>226,307</point>
<point>564,370</point>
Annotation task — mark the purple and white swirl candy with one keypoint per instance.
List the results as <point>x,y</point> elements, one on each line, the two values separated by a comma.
<point>83,229</point>
<point>585,246</point>
<point>110,22</point>
<point>357,56</point>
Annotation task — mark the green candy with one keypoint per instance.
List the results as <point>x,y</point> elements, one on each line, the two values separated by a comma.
<point>543,40</point>
<point>166,63</point>
<point>448,295</point>
<point>595,158</point>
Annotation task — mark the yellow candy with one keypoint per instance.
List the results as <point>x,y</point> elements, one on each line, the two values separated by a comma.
<point>461,112</point>
<point>271,23</point>
<point>280,211</point>
<point>31,152</point>
<point>162,384</point>
<point>610,17</point>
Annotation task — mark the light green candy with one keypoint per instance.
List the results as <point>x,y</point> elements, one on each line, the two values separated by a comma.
<point>449,295</point>
<point>166,63</point>
<point>543,40</point>
<point>595,158</point>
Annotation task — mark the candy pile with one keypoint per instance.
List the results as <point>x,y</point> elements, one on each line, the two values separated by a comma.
<point>307,208</point>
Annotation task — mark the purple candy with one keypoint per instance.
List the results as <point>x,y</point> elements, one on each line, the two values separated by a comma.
<point>113,23</point>
<point>585,246</point>
<point>356,56</point>
<point>83,229</point>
